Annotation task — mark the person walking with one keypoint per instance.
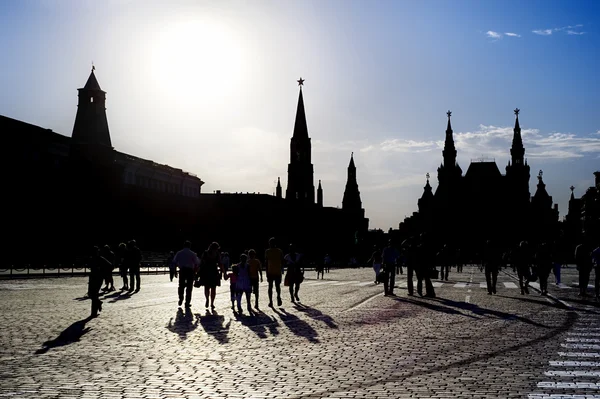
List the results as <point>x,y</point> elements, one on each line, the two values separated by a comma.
<point>98,268</point>
<point>376,261</point>
<point>492,258</point>
<point>274,266</point>
<point>596,262</point>
<point>390,257</point>
<point>295,273</point>
<point>188,263</point>
<point>254,270</point>
<point>134,258</point>
<point>583,262</point>
<point>210,273</point>
<point>172,265</point>
<point>243,285</point>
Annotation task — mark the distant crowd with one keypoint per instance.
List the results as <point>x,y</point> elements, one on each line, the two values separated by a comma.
<point>417,255</point>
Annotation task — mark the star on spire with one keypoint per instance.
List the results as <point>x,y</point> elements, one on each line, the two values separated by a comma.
<point>93,67</point>
<point>300,82</point>
<point>540,174</point>
<point>427,176</point>
<point>449,113</point>
<point>572,188</point>
<point>517,110</point>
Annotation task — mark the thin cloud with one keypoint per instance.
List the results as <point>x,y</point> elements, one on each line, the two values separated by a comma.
<point>511,34</point>
<point>495,141</point>
<point>570,30</point>
<point>493,35</point>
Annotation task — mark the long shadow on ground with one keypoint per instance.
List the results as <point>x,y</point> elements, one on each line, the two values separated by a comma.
<point>71,334</point>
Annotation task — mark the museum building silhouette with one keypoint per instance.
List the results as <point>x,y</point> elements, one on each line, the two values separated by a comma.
<point>466,210</point>
<point>73,192</point>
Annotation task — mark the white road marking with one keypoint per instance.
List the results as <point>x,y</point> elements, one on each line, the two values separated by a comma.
<point>580,346</point>
<point>579,354</point>
<point>437,284</point>
<point>559,363</point>
<point>483,285</point>
<point>569,385</point>
<point>575,373</point>
<point>583,340</point>
<point>584,334</point>
<point>460,285</point>
<point>510,284</point>
<point>468,299</point>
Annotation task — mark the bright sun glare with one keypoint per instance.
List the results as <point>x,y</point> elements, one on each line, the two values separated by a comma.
<point>197,61</point>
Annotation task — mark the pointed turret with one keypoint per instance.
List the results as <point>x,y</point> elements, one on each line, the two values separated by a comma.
<point>320,195</point>
<point>91,124</point>
<point>278,188</point>
<point>517,151</point>
<point>426,199</point>
<point>541,198</point>
<point>351,200</point>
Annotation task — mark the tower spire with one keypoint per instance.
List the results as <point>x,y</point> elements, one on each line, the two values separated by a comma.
<point>351,200</point>
<point>320,195</point>
<point>517,151</point>
<point>300,127</point>
<point>449,151</point>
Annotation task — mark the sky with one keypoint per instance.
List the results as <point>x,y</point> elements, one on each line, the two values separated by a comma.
<point>210,87</point>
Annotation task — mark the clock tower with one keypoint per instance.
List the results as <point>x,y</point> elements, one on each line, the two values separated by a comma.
<point>300,184</point>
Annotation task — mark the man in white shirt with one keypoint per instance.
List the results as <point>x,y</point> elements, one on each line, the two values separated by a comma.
<point>188,263</point>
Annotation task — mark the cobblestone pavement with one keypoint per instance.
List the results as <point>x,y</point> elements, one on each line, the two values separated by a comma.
<point>345,340</point>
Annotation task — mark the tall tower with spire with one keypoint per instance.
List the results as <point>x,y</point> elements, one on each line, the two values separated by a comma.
<point>278,188</point>
<point>449,171</point>
<point>517,170</point>
<point>351,200</point>
<point>91,124</point>
<point>300,184</point>
<point>320,195</point>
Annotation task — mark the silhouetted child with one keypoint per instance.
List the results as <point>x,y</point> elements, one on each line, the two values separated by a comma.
<point>232,276</point>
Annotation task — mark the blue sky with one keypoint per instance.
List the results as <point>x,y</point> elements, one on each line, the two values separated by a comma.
<point>210,87</point>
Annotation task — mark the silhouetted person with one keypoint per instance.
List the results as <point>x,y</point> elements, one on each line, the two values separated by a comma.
<point>134,258</point>
<point>492,258</point>
<point>410,259</point>
<point>254,270</point>
<point>274,266</point>
<point>376,261</point>
<point>445,260</point>
<point>98,267</point>
<point>295,273</point>
<point>459,261</point>
<point>172,266</point>
<point>425,263</point>
<point>596,261</point>
<point>583,261</point>
<point>107,254</point>
<point>188,263</point>
<point>522,261</point>
<point>122,260</point>
<point>390,257</point>
<point>543,259</point>
<point>211,270</point>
